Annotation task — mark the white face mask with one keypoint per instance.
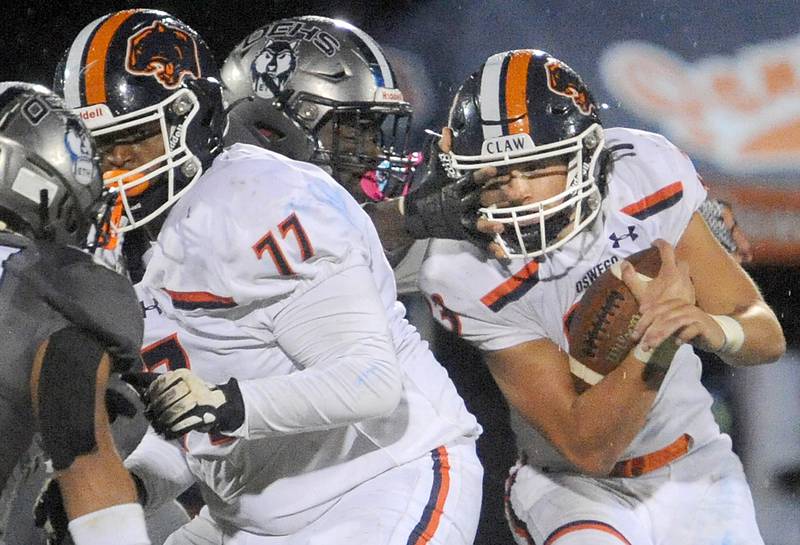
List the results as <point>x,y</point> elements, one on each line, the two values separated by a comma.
<point>527,232</point>
<point>176,155</point>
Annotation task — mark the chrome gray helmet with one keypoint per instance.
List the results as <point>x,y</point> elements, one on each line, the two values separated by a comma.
<point>49,177</point>
<point>321,90</point>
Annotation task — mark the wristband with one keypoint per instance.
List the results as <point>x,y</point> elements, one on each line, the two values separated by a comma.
<point>733,332</point>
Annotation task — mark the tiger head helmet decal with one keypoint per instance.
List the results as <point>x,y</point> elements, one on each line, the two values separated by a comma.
<point>563,81</point>
<point>165,52</point>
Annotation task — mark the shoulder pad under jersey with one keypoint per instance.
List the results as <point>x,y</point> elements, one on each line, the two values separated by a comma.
<point>652,182</point>
<point>253,218</point>
<point>86,294</point>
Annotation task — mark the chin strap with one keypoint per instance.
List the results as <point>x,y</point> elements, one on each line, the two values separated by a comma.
<point>44,232</point>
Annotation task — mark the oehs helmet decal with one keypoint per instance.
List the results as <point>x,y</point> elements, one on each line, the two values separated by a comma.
<point>273,67</point>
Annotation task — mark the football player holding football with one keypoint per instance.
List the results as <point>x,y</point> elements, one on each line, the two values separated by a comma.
<point>637,458</point>
<point>67,322</point>
<point>306,406</point>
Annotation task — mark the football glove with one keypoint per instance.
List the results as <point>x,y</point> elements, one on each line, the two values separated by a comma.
<point>178,402</point>
<point>117,404</point>
<point>712,210</point>
<point>442,205</point>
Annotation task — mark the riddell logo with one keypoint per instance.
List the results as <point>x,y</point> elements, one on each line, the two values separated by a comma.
<point>384,94</point>
<point>94,116</point>
<point>740,111</point>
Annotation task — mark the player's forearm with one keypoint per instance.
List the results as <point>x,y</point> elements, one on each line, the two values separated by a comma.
<point>337,335</point>
<point>606,418</point>
<point>387,216</point>
<point>345,392</point>
<point>763,340</point>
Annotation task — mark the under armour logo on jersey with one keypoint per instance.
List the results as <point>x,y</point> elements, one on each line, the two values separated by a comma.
<point>613,237</point>
<point>146,308</point>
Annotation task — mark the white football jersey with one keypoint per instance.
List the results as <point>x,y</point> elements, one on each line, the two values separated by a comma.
<point>653,190</point>
<point>406,272</point>
<point>257,230</point>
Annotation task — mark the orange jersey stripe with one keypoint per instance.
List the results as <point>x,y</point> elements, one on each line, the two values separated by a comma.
<point>199,299</point>
<point>434,509</point>
<point>517,92</point>
<point>654,460</point>
<point>95,73</point>
<point>656,201</point>
<point>522,276</point>
<point>585,525</point>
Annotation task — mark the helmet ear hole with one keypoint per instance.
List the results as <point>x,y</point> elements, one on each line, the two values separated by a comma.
<point>271,134</point>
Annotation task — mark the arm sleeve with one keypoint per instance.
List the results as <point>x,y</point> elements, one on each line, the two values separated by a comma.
<point>337,335</point>
<point>161,466</point>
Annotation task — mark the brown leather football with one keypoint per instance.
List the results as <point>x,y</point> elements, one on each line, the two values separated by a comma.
<point>599,327</point>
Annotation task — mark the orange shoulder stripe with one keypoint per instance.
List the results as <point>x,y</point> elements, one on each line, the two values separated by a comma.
<point>655,202</point>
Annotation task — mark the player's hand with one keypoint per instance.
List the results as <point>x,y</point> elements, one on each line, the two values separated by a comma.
<point>49,514</point>
<point>121,398</point>
<point>178,402</point>
<point>685,322</point>
<point>443,205</point>
<point>672,287</point>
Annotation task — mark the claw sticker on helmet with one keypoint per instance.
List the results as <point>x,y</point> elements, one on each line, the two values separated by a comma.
<point>272,67</point>
<point>167,53</point>
<point>563,81</point>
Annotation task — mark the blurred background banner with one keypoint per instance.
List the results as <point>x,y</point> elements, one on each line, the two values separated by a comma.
<point>720,78</point>
<point>770,215</point>
<point>740,111</point>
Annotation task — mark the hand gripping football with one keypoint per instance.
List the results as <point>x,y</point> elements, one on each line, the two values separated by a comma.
<point>599,327</point>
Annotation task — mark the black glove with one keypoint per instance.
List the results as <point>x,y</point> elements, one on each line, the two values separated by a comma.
<point>178,402</point>
<point>49,514</point>
<point>118,405</point>
<point>442,206</point>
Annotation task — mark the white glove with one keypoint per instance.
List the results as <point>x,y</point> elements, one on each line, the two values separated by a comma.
<point>178,402</point>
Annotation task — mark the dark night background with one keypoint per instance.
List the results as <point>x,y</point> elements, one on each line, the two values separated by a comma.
<point>442,42</point>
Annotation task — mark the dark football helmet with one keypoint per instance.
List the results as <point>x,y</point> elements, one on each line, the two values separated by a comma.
<point>321,90</point>
<point>136,74</point>
<point>50,182</point>
<point>524,106</point>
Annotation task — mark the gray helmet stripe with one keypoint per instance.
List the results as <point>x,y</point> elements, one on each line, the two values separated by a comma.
<point>490,95</point>
<point>375,51</point>
<point>72,86</point>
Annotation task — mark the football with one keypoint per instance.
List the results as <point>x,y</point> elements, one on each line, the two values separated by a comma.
<point>599,326</point>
